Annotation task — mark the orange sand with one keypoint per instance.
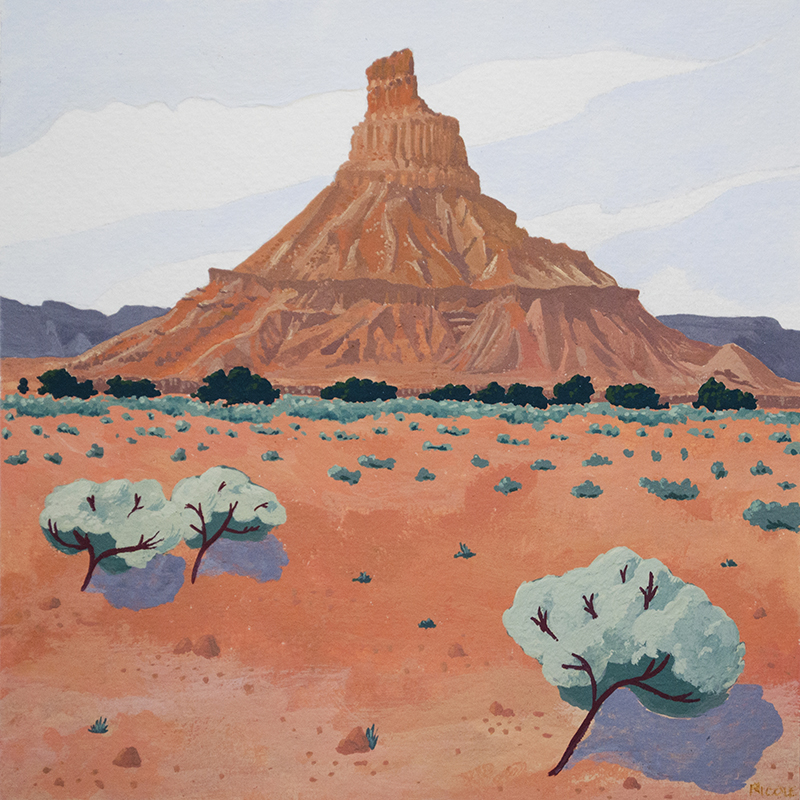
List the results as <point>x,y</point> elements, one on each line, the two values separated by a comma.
<point>309,657</point>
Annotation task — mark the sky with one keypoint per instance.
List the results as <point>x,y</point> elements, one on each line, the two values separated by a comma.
<point>142,143</point>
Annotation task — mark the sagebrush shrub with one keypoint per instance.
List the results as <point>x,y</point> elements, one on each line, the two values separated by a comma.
<point>670,490</point>
<point>773,516</point>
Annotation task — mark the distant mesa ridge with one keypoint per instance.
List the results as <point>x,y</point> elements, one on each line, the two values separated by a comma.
<point>402,269</point>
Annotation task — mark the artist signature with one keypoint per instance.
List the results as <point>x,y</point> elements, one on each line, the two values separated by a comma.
<point>773,791</point>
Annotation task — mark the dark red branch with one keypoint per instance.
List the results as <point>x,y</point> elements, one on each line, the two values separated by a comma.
<point>137,500</point>
<point>589,607</point>
<point>584,667</point>
<point>649,593</point>
<point>541,622</point>
<point>623,573</point>
<point>651,671</point>
<point>207,540</point>
<point>90,501</point>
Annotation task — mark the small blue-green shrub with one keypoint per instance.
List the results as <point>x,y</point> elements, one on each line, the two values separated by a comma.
<point>150,415</point>
<point>542,464</point>
<point>706,433</point>
<point>745,437</point>
<point>760,469</point>
<point>627,453</point>
<point>506,486</point>
<point>718,470</point>
<point>294,426</point>
<point>344,436</point>
<point>265,431</point>
<point>562,437</point>
<point>182,426</point>
<point>139,431</point>
<point>179,455</point>
<point>641,432</point>
<point>53,458</point>
<point>381,431</point>
<point>792,449</point>
<point>479,462</point>
<point>372,737</point>
<point>684,454</point>
<point>453,431</point>
<point>655,455</point>
<point>201,447</point>
<point>785,485</point>
<point>596,460</point>
<point>6,433</point>
<point>159,433</point>
<point>131,440</point>
<point>212,431</point>
<point>271,455</point>
<point>504,438</point>
<point>463,551</point>
<point>95,451</point>
<point>773,516</point>
<point>586,489</point>
<point>670,490</point>
<point>780,436</point>
<point>424,475</point>
<point>667,433</point>
<point>36,430</point>
<point>427,623</point>
<point>64,428</point>
<point>343,474</point>
<point>99,726</point>
<point>729,562</point>
<point>371,462</point>
<point>127,417</point>
<point>606,430</point>
<point>324,436</point>
<point>363,578</point>
<point>106,420</point>
<point>413,426</point>
<point>431,446</point>
<point>20,458</point>
<point>233,434</point>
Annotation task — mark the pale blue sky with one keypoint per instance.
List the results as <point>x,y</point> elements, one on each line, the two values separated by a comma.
<point>143,142</point>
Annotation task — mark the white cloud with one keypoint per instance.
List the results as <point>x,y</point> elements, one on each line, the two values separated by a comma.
<point>585,226</point>
<point>677,291</point>
<point>95,168</point>
<point>502,99</point>
<point>166,284</point>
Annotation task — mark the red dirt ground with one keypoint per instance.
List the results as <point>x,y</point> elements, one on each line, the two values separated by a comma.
<point>307,658</point>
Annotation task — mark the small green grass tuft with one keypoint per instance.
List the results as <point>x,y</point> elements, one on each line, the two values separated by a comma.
<point>99,726</point>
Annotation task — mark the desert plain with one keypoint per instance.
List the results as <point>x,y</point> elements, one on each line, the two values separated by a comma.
<point>459,709</point>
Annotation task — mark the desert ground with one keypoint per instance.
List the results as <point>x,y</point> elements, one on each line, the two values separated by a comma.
<point>307,658</point>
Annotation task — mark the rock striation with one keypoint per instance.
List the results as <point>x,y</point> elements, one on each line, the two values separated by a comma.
<point>401,269</point>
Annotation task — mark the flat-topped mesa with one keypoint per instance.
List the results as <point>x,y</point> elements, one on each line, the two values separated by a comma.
<point>401,140</point>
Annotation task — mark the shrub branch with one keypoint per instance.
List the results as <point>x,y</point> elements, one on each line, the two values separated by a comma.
<point>205,540</point>
<point>540,620</point>
<point>83,542</point>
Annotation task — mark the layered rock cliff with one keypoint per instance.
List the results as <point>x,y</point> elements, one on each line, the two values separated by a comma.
<point>403,270</point>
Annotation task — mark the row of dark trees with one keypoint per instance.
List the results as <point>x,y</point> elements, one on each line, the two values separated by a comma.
<point>241,386</point>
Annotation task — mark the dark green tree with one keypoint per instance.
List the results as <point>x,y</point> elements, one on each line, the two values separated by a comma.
<point>119,387</point>
<point>359,390</point>
<point>59,383</point>
<point>22,386</point>
<point>715,396</point>
<point>521,394</point>
<point>634,395</point>
<point>237,386</point>
<point>449,392</point>
<point>493,393</point>
<point>578,389</point>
